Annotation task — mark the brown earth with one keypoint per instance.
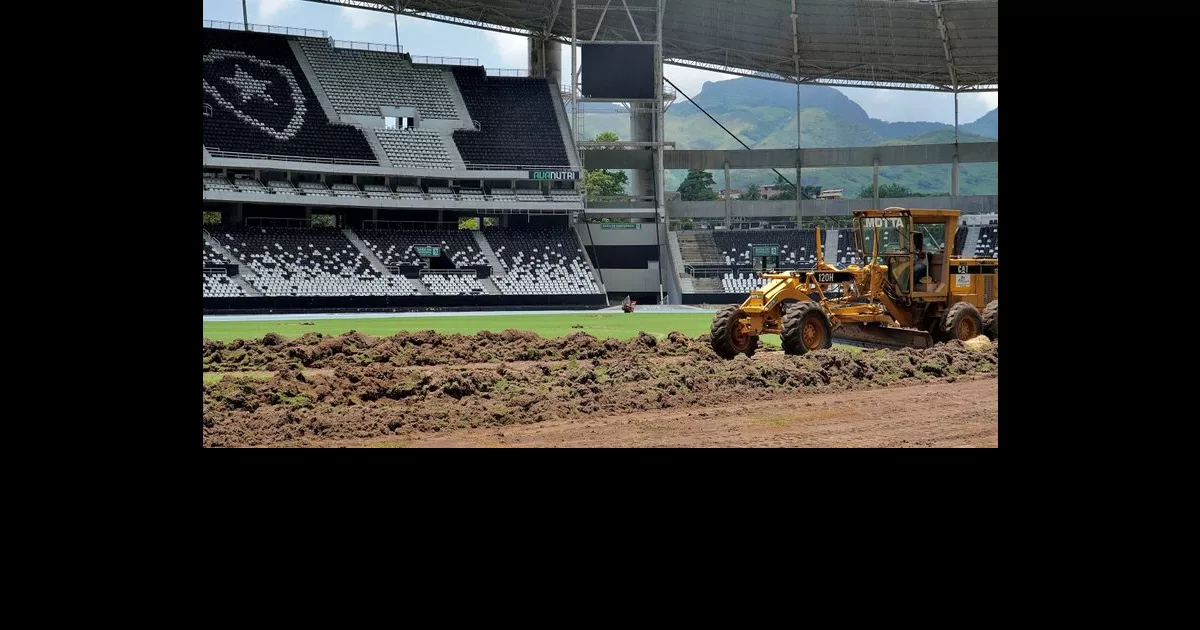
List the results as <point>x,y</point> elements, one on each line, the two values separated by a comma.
<point>455,390</point>
<point>961,414</point>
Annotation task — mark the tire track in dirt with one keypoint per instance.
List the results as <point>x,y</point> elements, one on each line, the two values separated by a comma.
<point>960,414</point>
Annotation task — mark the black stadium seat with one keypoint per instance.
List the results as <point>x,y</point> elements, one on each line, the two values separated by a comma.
<point>517,122</point>
<point>261,102</point>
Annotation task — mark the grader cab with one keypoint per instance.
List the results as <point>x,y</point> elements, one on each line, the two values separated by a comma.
<point>906,288</point>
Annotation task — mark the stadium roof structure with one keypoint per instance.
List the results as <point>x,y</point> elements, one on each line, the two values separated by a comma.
<point>930,45</point>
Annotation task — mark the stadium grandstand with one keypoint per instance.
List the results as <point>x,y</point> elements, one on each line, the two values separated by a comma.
<point>370,181</point>
<point>337,178</point>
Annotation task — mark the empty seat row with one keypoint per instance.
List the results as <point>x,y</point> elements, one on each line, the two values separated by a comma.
<point>452,284</point>
<point>741,283</point>
<point>797,248</point>
<point>540,261</point>
<point>221,286</point>
<point>307,261</point>
<point>361,81</point>
<point>260,102</point>
<point>414,148</point>
<point>517,118</point>
<point>399,247</point>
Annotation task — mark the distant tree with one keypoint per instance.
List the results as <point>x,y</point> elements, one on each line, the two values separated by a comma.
<point>697,186</point>
<point>888,191</point>
<point>602,183</point>
<point>212,217</point>
<point>812,191</point>
<point>322,220</point>
<point>607,136</point>
<point>752,193</point>
<point>468,223</point>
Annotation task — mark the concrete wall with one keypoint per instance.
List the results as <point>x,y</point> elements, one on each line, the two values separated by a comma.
<point>348,169</point>
<point>600,236</point>
<point>826,207</point>
<point>379,202</point>
<point>396,303</point>
<point>626,280</point>
<point>631,280</point>
<point>546,54</point>
<point>641,129</point>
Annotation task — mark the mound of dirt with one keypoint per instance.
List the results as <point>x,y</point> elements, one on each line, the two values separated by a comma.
<point>428,382</point>
<point>314,350</point>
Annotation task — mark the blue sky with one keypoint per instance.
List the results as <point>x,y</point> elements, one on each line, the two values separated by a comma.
<point>497,50</point>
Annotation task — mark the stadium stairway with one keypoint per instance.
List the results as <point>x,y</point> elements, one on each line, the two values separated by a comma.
<point>676,254</point>
<point>698,247</point>
<point>972,241</point>
<point>239,279</point>
<point>456,159</point>
<point>493,260</point>
<point>246,286</point>
<point>464,116</point>
<point>422,288</point>
<point>318,90</point>
<point>560,112</point>
<point>829,240</point>
<point>380,152</point>
<point>683,278</point>
<point>708,285</point>
<point>220,249</point>
<point>376,264</point>
<point>489,287</point>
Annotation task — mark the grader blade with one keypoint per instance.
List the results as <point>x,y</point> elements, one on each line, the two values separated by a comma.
<point>875,336</point>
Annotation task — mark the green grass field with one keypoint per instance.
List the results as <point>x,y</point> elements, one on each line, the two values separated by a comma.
<point>600,325</point>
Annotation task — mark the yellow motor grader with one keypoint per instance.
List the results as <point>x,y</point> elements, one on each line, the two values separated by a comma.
<point>907,289</point>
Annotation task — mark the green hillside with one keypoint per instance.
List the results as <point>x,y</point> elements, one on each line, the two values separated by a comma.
<point>762,114</point>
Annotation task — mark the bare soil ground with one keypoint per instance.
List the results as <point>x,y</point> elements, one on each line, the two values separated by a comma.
<point>517,389</point>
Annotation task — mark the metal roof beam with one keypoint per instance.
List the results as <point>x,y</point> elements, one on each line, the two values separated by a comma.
<point>553,17</point>
<point>900,47</point>
<point>941,22</point>
<point>601,20</point>
<point>630,15</point>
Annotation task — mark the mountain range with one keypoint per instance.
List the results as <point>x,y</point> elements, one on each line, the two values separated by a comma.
<point>763,114</point>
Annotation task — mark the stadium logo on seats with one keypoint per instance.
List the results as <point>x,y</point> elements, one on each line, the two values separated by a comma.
<point>250,83</point>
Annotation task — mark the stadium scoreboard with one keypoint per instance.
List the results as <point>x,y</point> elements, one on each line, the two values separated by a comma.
<point>428,251</point>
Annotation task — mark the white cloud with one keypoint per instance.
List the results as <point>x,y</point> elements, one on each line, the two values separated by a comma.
<point>269,8</point>
<point>691,80</point>
<point>513,50</point>
<point>991,100</point>
<point>359,19</point>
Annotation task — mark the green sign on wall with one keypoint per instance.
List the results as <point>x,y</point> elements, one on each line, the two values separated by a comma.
<point>620,226</point>
<point>765,250</point>
<point>428,251</point>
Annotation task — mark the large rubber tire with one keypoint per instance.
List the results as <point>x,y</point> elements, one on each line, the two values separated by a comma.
<point>724,337</point>
<point>805,328</point>
<point>991,321</point>
<point>962,322</point>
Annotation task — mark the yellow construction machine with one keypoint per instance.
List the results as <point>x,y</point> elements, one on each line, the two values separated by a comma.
<point>908,290</point>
